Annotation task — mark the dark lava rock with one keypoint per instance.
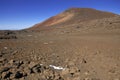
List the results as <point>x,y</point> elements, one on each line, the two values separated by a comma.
<point>18,63</point>
<point>1,55</point>
<point>4,69</point>
<point>18,75</point>
<point>84,61</point>
<point>37,69</point>
<point>2,60</point>
<point>8,37</point>
<point>6,75</point>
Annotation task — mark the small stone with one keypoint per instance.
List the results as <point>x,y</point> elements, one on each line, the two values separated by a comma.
<point>72,74</point>
<point>24,74</point>
<point>56,76</point>
<point>112,71</point>
<point>14,52</point>
<point>1,55</point>
<point>44,67</point>
<point>5,48</point>
<point>1,60</point>
<point>26,62</point>
<point>73,70</point>
<point>78,27</point>
<point>36,69</point>
<point>6,75</point>
<point>86,73</point>
<point>98,52</point>
<point>3,75</point>
<point>11,61</point>
<point>60,78</point>
<point>5,69</point>
<point>84,61</point>
<point>18,75</point>
<point>32,64</point>
<point>12,76</point>
<point>18,63</point>
<point>12,70</point>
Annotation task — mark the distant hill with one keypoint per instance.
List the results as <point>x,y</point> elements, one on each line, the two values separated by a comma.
<point>73,16</point>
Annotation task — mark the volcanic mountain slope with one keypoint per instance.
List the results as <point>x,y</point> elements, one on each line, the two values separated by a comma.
<point>72,16</point>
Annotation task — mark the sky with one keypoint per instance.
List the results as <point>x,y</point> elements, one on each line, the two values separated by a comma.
<point>20,14</point>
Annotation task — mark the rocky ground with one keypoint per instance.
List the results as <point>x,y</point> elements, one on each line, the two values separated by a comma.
<point>68,56</point>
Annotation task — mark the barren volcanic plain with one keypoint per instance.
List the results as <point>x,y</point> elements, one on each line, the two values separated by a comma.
<point>77,44</point>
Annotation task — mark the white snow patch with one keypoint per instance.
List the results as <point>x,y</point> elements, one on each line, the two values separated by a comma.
<point>57,67</point>
<point>41,64</point>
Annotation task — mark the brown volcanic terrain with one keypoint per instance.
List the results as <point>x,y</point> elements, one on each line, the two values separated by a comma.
<point>72,16</point>
<point>78,44</point>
